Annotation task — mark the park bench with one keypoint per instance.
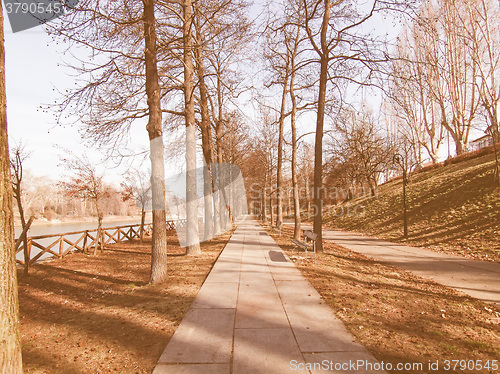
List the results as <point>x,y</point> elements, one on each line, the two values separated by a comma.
<point>308,243</point>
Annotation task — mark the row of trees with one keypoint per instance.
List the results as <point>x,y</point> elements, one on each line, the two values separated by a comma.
<point>179,64</point>
<point>159,60</point>
<point>316,52</point>
<point>441,80</point>
<point>444,78</point>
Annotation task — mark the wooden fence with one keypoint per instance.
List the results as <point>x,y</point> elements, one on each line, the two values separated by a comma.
<point>60,245</point>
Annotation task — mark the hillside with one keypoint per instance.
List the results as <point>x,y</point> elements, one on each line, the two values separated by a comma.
<point>453,208</point>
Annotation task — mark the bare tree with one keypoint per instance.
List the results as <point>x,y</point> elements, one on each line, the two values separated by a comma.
<point>445,73</point>
<point>341,49</point>
<point>18,155</point>
<point>294,40</point>
<point>86,183</point>
<point>279,61</point>
<point>137,187</point>
<point>413,75</point>
<point>204,123</point>
<point>458,72</point>
<point>484,38</point>
<point>360,148</point>
<point>10,339</point>
<point>193,242</point>
<point>121,85</point>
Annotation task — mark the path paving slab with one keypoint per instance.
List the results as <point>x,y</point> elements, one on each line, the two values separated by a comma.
<point>265,351</point>
<point>260,311</point>
<point>204,336</point>
<point>217,295</point>
<point>256,313</point>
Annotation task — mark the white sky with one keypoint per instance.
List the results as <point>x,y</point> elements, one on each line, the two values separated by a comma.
<point>33,79</point>
<point>31,75</point>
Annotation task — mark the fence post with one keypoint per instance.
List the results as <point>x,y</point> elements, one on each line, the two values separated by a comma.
<point>61,243</point>
<point>102,240</point>
<point>29,251</point>
<point>84,247</point>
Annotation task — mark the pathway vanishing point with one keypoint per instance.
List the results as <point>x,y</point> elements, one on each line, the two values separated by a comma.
<point>256,313</point>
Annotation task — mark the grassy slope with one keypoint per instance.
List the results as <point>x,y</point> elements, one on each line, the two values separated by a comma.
<point>455,208</point>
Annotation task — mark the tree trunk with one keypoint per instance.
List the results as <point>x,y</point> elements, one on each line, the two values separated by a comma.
<point>206,133</point>
<point>159,240</point>
<point>98,241</point>
<point>497,161</point>
<point>10,342</point>
<point>318,146</point>
<point>318,157</point>
<point>192,236</point>
<point>279,182</point>
<point>271,207</point>
<point>293,117</point>
<point>143,219</point>
<point>23,224</point>
<point>264,202</point>
<point>208,231</point>
<point>295,183</point>
<point>221,218</point>
<point>100,235</point>
<point>460,146</point>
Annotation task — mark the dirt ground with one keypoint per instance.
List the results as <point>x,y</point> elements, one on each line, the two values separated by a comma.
<point>399,317</point>
<point>86,314</point>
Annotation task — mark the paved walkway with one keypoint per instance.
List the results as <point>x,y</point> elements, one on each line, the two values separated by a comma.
<point>256,313</point>
<point>479,279</point>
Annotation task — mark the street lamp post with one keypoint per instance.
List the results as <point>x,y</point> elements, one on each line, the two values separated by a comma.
<point>399,159</point>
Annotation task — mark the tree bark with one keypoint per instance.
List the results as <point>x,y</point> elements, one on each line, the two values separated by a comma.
<point>97,243</point>
<point>293,118</point>
<point>10,342</point>
<point>192,236</point>
<point>264,201</point>
<point>206,131</point>
<point>318,147</point>
<point>17,195</point>
<point>159,245</point>
<point>279,181</point>
<point>143,218</point>
<point>295,183</point>
<point>16,165</point>
<point>220,198</point>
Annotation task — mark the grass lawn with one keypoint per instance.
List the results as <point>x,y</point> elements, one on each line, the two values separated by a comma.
<point>87,314</point>
<point>454,208</point>
<point>399,317</point>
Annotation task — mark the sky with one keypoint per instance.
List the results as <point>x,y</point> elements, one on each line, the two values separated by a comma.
<point>35,77</point>
<point>32,74</point>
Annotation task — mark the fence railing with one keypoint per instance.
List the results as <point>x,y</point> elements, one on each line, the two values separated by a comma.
<point>59,245</point>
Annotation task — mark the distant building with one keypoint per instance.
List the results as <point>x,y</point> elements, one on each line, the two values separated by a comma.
<point>483,141</point>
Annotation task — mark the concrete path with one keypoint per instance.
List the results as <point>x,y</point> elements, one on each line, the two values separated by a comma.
<point>256,313</point>
<point>476,278</point>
